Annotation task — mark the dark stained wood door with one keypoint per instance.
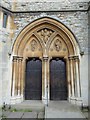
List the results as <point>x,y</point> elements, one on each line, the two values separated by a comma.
<point>33,82</point>
<point>58,84</point>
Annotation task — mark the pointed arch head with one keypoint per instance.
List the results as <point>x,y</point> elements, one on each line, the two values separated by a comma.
<point>31,31</point>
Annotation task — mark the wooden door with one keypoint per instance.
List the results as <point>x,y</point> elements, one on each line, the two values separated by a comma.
<point>58,83</point>
<point>33,83</point>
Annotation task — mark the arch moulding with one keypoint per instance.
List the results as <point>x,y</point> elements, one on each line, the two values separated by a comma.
<point>45,38</point>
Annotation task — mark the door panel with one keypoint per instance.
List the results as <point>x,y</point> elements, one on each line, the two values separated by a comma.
<point>33,83</point>
<point>58,84</point>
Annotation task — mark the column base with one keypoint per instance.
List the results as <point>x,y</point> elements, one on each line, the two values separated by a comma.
<point>16,99</point>
<point>45,101</point>
<point>76,101</point>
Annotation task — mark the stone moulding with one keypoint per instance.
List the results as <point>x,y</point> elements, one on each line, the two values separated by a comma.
<point>60,37</point>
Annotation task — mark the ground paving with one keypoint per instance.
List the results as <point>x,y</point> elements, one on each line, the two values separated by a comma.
<point>55,109</point>
<point>63,109</point>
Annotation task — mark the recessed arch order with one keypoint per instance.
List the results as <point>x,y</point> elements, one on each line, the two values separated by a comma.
<point>50,23</point>
<point>45,38</point>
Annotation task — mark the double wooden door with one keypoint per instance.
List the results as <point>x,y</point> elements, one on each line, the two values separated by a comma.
<point>33,82</point>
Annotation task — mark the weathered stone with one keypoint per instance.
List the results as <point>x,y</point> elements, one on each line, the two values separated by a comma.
<point>73,14</point>
<point>30,115</point>
<point>41,115</point>
<point>75,21</point>
<point>15,115</point>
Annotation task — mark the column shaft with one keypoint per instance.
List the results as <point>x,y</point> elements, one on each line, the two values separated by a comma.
<point>68,79</point>
<point>45,71</point>
<point>72,76</point>
<point>77,76</point>
<point>23,77</point>
<point>20,75</point>
<point>14,76</point>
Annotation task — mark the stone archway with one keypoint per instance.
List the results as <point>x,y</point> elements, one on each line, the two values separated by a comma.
<point>45,38</point>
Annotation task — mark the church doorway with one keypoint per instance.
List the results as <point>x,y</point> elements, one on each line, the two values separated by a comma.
<point>33,82</point>
<point>38,70</point>
<point>58,83</point>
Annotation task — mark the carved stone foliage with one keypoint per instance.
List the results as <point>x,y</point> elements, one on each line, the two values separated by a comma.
<point>57,45</point>
<point>45,34</point>
<point>33,45</point>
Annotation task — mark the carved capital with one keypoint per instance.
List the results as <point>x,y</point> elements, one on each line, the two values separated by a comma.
<point>15,58</point>
<point>76,58</point>
<point>45,58</point>
<point>71,57</point>
<point>20,58</point>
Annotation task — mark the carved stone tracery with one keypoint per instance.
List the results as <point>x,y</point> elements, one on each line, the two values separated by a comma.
<point>45,34</point>
<point>57,48</point>
<point>57,45</point>
<point>33,45</point>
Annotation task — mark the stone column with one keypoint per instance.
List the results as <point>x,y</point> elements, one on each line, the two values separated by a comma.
<point>16,74</point>
<point>77,78</point>
<point>48,78</point>
<point>23,77</point>
<point>72,75</point>
<point>16,80</point>
<point>19,75</point>
<point>14,66</point>
<point>68,79</point>
<point>45,71</point>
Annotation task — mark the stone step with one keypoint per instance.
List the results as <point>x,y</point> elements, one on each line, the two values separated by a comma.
<point>29,108</point>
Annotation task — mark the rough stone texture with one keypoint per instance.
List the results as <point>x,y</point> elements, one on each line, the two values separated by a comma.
<point>4,64</point>
<point>45,5</point>
<point>84,79</point>
<point>77,22</point>
<point>0,71</point>
<point>6,4</point>
<point>50,6</point>
<point>89,29</point>
<point>89,56</point>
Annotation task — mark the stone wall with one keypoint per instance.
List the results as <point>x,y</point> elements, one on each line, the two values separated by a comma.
<point>6,3</point>
<point>4,66</point>
<point>50,6</point>
<point>5,44</point>
<point>89,28</point>
<point>77,22</point>
<point>89,56</point>
<point>45,5</point>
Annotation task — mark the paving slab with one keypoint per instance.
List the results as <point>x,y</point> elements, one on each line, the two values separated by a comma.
<point>36,105</point>
<point>30,115</point>
<point>40,115</point>
<point>62,109</point>
<point>0,112</point>
<point>15,115</point>
<point>6,113</point>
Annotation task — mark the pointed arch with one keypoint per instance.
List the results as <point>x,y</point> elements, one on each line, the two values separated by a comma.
<point>30,29</point>
<point>38,39</point>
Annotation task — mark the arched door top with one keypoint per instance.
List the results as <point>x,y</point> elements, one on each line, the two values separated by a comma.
<point>46,38</point>
<point>44,31</point>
